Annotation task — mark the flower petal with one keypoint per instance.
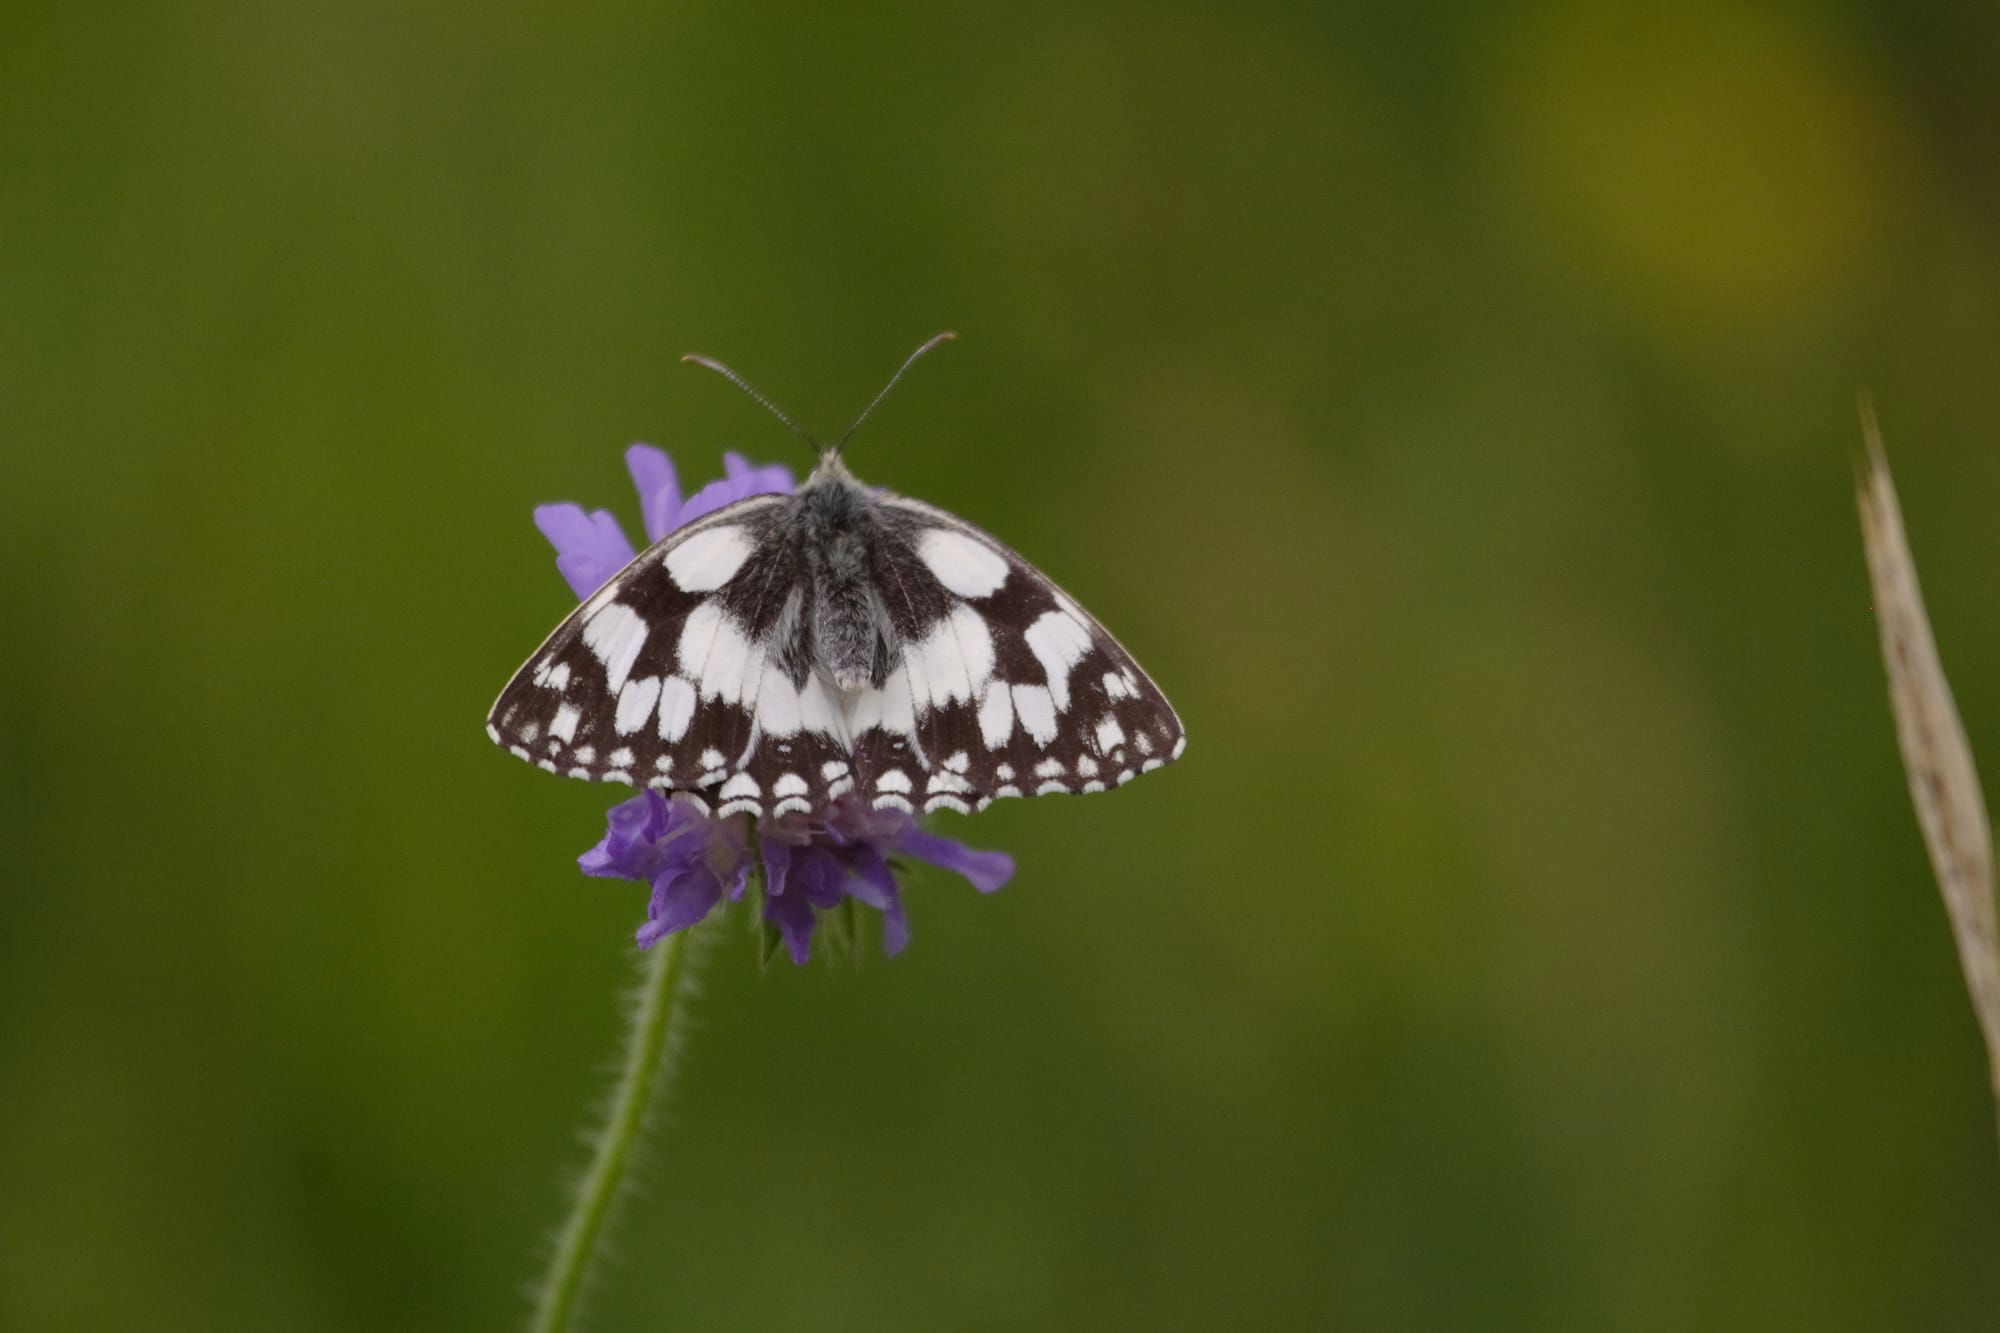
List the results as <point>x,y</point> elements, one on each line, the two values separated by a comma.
<point>742,482</point>
<point>590,548</point>
<point>659,489</point>
<point>629,849</point>
<point>822,876</point>
<point>777,856</point>
<point>680,899</point>
<point>771,478</point>
<point>895,925</point>
<point>986,871</point>
<point>794,917</point>
<point>870,881</point>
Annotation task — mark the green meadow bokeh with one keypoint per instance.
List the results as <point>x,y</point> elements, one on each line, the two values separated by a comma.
<point>1451,405</point>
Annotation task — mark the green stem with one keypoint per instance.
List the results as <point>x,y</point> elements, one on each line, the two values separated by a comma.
<point>657,1023</point>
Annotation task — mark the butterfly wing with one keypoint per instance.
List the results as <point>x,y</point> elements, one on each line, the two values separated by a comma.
<point>1004,687</point>
<point>667,676</point>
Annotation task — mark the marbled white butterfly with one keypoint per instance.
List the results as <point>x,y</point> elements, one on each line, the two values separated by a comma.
<point>786,650</point>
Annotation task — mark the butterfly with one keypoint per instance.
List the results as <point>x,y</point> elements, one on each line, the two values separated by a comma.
<point>787,651</point>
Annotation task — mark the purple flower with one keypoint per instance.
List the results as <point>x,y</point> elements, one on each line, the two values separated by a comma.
<point>691,861</point>
<point>591,547</point>
<point>812,863</point>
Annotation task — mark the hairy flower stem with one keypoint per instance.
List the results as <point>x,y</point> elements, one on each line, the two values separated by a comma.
<point>659,1020</point>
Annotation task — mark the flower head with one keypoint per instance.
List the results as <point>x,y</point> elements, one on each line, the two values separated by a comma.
<point>812,863</point>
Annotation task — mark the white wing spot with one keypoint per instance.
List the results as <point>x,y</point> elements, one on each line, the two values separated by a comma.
<point>963,564</point>
<point>943,671</point>
<point>665,763</point>
<point>898,705</point>
<point>1150,765</point>
<point>585,754</point>
<point>697,633</point>
<point>956,656</point>
<point>1109,734</point>
<point>1058,641</point>
<point>892,708</point>
<point>996,715</point>
<point>676,708</point>
<point>1144,742</point>
<point>615,633</point>
<point>958,762</point>
<point>563,728</point>
<point>1086,766</point>
<point>519,751</point>
<point>893,779</point>
<point>711,759</point>
<point>778,705</point>
<point>619,758</point>
<point>708,559</point>
<point>1037,711</point>
<point>1089,787</point>
<point>789,784</point>
<point>1050,788</point>
<point>1049,768</point>
<point>740,785</point>
<point>1004,772</point>
<point>818,712</point>
<point>556,677</point>
<point>832,768</point>
<point>635,705</point>
<point>728,666</point>
<point>1179,745</point>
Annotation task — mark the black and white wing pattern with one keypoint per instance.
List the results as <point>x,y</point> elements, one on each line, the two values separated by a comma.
<point>666,676</point>
<point>694,669</point>
<point>1004,686</point>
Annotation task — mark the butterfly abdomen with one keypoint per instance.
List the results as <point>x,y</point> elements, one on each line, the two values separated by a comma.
<point>851,637</point>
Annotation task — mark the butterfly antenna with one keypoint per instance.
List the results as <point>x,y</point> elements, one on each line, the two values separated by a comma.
<point>945,337</point>
<point>769,406</point>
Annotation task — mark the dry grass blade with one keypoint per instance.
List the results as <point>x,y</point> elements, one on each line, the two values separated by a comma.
<point>1943,782</point>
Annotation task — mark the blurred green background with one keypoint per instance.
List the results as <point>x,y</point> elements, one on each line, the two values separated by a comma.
<point>1450,404</point>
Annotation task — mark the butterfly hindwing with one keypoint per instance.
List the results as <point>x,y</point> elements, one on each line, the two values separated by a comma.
<point>1012,688</point>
